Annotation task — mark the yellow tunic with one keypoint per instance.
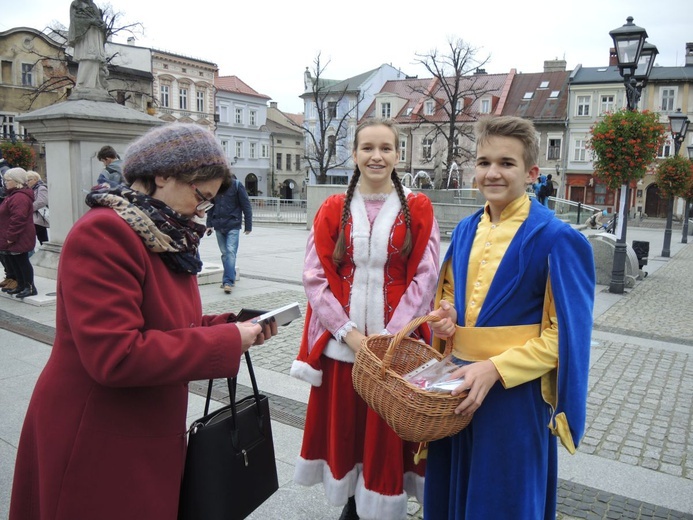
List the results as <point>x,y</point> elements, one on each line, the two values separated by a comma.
<point>532,358</point>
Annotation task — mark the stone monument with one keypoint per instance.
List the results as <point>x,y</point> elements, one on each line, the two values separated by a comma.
<point>73,131</point>
<point>603,247</point>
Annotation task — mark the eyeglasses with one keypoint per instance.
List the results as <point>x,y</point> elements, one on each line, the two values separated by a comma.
<point>206,203</point>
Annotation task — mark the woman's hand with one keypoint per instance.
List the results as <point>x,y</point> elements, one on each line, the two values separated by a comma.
<point>256,333</point>
<point>448,318</point>
<point>353,339</point>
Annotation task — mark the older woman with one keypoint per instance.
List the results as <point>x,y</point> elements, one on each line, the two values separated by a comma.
<point>41,223</point>
<point>17,233</point>
<point>104,436</point>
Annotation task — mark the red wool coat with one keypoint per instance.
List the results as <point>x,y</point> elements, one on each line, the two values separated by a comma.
<point>104,436</point>
<point>17,222</point>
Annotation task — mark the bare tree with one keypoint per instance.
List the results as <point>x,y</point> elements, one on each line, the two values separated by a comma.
<point>454,88</point>
<point>60,70</point>
<point>327,148</point>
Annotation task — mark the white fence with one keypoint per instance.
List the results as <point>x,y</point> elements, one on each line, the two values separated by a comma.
<point>274,209</point>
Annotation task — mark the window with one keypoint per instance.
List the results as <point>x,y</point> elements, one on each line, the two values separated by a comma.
<point>402,149</point>
<point>225,147</point>
<point>200,101</point>
<point>554,94</point>
<point>607,104</point>
<point>668,95</point>
<point>239,116</point>
<point>544,84</point>
<point>600,193</point>
<point>27,74</point>
<point>239,149</point>
<point>331,145</point>
<point>223,114</point>
<point>485,106</point>
<point>428,108</point>
<point>253,117</point>
<point>583,106</point>
<point>264,151</point>
<point>252,150</point>
<point>580,150</point>
<point>554,151</point>
<point>297,159</point>
<point>288,162</point>
<point>385,110</point>
<point>279,161</point>
<point>163,97</point>
<point>7,126</point>
<point>331,109</point>
<point>528,95</point>
<point>665,149</point>
<point>458,106</point>
<point>427,146</point>
<point>183,98</point>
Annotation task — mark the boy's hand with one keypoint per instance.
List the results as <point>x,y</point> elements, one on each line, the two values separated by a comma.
<point>448,318</point>
<point>478,377</point>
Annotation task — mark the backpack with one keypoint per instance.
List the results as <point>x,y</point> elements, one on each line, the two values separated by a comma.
<point>545,190</point>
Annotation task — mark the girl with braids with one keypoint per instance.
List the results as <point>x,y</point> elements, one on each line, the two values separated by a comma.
<point>371,267</point>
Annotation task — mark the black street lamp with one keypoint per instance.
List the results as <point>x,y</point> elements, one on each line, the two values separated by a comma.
<point>687,203</point>
<point>635,60</point>
<point>678,126</point>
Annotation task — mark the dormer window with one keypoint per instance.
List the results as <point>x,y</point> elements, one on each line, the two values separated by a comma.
<point>528,95</point>
<point>544,84</point>
<point>554,93</point>
<point>428,108</point>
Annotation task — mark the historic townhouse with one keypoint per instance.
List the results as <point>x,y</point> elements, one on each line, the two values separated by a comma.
<point>414,104</point>
<point>183,88</point>
<point>595,91</point>
<point>243,134</point>
<point>542,97</point>
<point>288,170</point>
<point>351,98</point>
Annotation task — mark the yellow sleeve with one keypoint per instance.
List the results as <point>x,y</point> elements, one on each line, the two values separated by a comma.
<point>448,286</point>
<point>536,357</point>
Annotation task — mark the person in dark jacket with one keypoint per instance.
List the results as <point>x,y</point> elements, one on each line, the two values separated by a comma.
<point>17,234</point>
<point>230,209</point>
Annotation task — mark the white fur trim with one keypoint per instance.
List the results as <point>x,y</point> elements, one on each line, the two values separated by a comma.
<point>367,304</point>
<point>339,351</point>
<point>374,506</point>
<point>305,372</point>
<point>312,472</point>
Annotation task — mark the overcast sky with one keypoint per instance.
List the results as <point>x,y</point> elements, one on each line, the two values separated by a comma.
<point>269,44</point>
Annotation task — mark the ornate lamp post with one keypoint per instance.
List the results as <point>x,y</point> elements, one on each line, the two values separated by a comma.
<point>678,125</point>
<point>635,68</point>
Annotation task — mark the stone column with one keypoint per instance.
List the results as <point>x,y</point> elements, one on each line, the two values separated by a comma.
<point>73,132</point>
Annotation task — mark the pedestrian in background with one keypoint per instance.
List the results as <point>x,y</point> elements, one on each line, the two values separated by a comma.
<point>231,210</point>
<point>371,267</point>
<point>105,431</point>
<point>17,232</point>
<point>41,222</point>
<point>516,294</point>
<point>113,166</point>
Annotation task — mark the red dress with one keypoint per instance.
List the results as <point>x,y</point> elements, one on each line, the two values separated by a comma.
<point>346,445</point>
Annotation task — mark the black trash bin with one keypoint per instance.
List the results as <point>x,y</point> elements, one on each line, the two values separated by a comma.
<point>642,251</point>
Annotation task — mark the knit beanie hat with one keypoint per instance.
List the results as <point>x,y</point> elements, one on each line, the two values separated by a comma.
<point>17,175</point>
<point>171,150</point>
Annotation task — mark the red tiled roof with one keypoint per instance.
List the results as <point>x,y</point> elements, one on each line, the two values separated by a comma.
<point>235,84</point>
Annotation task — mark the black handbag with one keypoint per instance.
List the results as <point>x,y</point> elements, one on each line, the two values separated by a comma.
<point>229,467</point>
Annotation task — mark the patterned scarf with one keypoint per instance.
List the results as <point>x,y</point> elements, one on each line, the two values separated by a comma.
<point>164,231</point>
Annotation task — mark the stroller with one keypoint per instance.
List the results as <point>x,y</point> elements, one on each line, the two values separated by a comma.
<point>595,222</point>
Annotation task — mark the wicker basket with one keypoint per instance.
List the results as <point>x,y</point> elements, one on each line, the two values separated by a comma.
<point>415,414</point>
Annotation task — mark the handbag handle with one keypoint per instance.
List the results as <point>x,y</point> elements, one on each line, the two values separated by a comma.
<point>232,383</point>
<point>406,330</point>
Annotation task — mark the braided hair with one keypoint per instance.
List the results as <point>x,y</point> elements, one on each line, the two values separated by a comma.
<point>340,246</point>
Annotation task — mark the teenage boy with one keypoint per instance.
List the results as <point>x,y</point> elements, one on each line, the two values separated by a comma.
<point>516,293</point>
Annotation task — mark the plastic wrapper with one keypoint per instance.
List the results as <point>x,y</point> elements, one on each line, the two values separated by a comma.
<point>435,376</point>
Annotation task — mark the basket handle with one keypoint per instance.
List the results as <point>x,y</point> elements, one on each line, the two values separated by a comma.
<point>397,339</point>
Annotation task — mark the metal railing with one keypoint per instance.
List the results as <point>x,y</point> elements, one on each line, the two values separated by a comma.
<point>274,209</point>
<point>570,211</point>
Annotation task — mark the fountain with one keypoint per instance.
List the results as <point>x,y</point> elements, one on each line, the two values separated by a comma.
<point>425,175</point>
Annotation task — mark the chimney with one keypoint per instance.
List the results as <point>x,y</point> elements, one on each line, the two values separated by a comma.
<point>273,104</point>
<point>554,65</point>
<point>480,71</point>
<point>689,54</point>
<point>613,57</point>
<point>131,40</point>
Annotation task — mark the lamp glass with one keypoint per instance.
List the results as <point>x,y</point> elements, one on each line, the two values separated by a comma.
<point>690,151</point>
<point>646,61</point>
<point>678,123</point>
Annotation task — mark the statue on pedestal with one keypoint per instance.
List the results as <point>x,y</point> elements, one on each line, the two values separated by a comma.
<point>87,35</point>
